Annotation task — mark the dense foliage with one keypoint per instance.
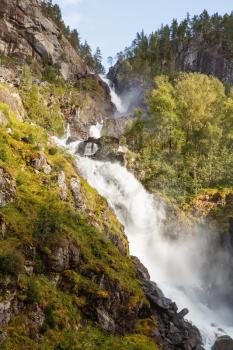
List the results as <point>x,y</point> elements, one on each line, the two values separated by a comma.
<point>186,144</point>
<point>156,53</point>
<point>94,61</point>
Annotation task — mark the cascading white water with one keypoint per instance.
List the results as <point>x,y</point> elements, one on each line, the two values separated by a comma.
<point>114,97</point>
<point>95,130</point>
<point>178,265</point>
<point>175,265</point>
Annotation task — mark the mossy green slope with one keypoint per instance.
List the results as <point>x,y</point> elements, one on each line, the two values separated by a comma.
<point>45,314</point>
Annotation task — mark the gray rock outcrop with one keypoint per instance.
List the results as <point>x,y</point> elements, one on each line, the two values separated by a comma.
<point>7,188</point>
<point>61,179</point>
<point>26,32</point>
<point>40,163</point>
<point>173,331</point>
<point>62,257</point>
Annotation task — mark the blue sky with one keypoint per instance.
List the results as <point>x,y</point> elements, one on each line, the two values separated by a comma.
<point>112,24</point>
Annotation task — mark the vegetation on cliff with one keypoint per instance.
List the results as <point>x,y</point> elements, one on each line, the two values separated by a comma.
<point>154,54</point>
<point>185,143</point>
<point>94,61</point>
<point>58,264</point>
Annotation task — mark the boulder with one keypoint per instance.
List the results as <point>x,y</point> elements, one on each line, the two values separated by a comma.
<point>40,163</point>
<point>7,188</point>
<point>223,343</point>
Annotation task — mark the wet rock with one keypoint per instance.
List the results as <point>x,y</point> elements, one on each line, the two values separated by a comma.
<point>183,313</point>
<point>223,343</point>
<point>132,90</point>
<point>61,179</point>
<point>142,272</point>
<point>156,296</point>
<point>88,148</point>
<point>172,332</point>
<point>40,163</point>
<point>71,140</point>
<point>97,107</point>
<point>7,188</point>
<point>104,149</point>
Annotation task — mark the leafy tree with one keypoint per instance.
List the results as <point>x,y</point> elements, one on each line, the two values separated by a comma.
<point>186,142</point>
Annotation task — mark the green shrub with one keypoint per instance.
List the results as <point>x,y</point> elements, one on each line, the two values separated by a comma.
<point>50,74</point>
<point>32,293</point>
<point>49,322</point>
<point>3,155</point>
<point>11,263</point>
<point>52,151</point>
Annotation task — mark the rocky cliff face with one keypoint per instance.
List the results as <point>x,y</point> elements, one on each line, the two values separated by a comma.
<point>28,37</point>
<point>131,90</point>
<point>196,56</point>
<point>25,32</point>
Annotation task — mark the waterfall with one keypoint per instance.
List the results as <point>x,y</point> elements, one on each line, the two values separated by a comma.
<point>95,130</point>
<point>116,100</point>
<point>175,264</point>
<point>181,264</point>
